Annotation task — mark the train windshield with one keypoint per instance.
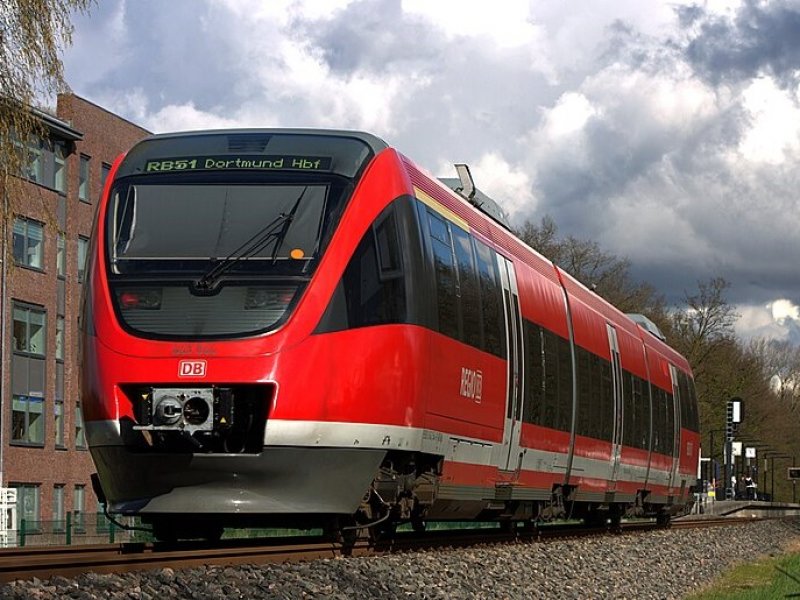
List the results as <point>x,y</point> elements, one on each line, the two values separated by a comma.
<point>216,234</point>
<point>216,256</point>
<point>264,229</point>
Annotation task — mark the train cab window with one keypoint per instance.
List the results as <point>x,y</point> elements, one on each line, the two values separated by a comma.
<point>372,290</point>
<point>388,247</point>
<point>446,279</point>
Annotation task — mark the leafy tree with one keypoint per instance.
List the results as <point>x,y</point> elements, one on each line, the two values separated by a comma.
<point>32,33</point>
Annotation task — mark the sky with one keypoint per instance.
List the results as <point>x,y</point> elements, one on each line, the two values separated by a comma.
<point>667,132</point>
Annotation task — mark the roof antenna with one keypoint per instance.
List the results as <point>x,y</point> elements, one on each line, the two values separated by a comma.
<point>467,188</point>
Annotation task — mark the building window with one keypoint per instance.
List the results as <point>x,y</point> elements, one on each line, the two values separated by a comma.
<point>83,251</point>
<point>61,256</point>
<point>59,338</point>
<point>58,508</point>
<point>83,181</point>
<point>28,505</point>
<point>29,330</point>
<point>27,420</point>
<point>105,169</point>
<point>60,167</point>
<point>58,410</point>
<point>27,242</point>
<point>80,432</point>
<point>34,165</point>
<point>79,507</point>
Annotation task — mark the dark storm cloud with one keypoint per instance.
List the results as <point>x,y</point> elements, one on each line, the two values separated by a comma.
<point>373,36</point>
<point>762,38</point>
<point>665,189</point>
<point>171,52</point>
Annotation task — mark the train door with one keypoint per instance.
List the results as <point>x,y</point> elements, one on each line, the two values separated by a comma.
<point>676,430</point>
<point>511,458</point>
<point>616,380</point>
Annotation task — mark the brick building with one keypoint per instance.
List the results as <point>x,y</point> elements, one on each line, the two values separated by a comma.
<point>43,452</point>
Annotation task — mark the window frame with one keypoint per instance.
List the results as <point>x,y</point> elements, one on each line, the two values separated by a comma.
<point>27,223</point>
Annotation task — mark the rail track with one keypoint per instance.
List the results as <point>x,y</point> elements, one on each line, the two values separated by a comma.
<point>69,561</point>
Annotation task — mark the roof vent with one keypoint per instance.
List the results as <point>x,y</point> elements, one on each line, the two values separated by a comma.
<point>247,142</point>
<point>647,325</point>
<point>467,188</point>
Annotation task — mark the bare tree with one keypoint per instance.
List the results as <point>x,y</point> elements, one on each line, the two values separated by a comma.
<point>781,364</point>
<point>705,322</point>
<point>605,273</point>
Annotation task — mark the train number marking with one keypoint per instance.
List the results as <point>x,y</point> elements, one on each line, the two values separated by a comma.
<point>471,384</point>
<point>192,368</point>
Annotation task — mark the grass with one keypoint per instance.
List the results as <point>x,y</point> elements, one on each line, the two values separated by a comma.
<point>765,579</point>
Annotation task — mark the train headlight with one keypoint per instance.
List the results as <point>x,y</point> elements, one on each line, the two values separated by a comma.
<point>139,298</point>
<point>187,410</point>
<point>196,411</point>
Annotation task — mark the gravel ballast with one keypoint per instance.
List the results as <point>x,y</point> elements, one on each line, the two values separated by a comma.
<point>658,564</point>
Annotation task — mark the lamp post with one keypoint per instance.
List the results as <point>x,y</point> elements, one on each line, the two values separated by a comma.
<point>712,474</point>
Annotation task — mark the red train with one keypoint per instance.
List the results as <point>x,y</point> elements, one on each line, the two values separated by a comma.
<point>302,327</point>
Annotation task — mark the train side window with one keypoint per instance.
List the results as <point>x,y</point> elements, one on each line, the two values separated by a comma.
<point>607,395</point>
<point>534,374</point>
<point>596,403</point>
<point>584,426</point>
<point>491,300</point>
<point>669,436</point>
<point>628,409</point>
<point>695,417</point>
<point>551,404</point>
<point>471,317</point>
<point>446,282</point>
<point>641,425</point>
<point>564,384</point>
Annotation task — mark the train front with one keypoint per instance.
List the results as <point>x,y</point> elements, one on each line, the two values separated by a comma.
<point>203,248</point>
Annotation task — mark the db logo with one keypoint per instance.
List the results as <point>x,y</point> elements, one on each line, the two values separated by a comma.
<point>192,368</point>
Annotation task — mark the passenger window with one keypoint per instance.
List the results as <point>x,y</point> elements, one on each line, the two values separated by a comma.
<point>469,287</point>
<point>534,374</point>
<point>444,267</point>
<point>491,301</point>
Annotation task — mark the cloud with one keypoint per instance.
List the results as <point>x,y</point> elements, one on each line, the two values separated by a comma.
<point>779,320</point>
<point>759,38</point>
<point>668,133</point>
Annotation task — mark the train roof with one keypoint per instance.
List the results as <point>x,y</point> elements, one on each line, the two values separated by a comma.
<point>375,143</point>
<point>480,201</point>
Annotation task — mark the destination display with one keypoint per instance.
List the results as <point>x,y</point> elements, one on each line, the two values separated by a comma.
<point>258,162</point>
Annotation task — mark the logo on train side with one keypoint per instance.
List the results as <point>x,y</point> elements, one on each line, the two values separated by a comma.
<point>471,384</point>
<point>192,368</point>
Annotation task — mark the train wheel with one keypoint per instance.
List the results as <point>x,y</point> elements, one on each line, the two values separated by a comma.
<point>383,532</point>
<point>418,525</point>
<point>213,533</point>
<point>663,519</point>
<point>164,531</point>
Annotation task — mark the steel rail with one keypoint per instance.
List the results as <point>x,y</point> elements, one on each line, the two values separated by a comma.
<point>44,562</point>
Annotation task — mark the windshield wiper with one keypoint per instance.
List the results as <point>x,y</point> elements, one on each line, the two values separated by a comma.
<point>275,231</point>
